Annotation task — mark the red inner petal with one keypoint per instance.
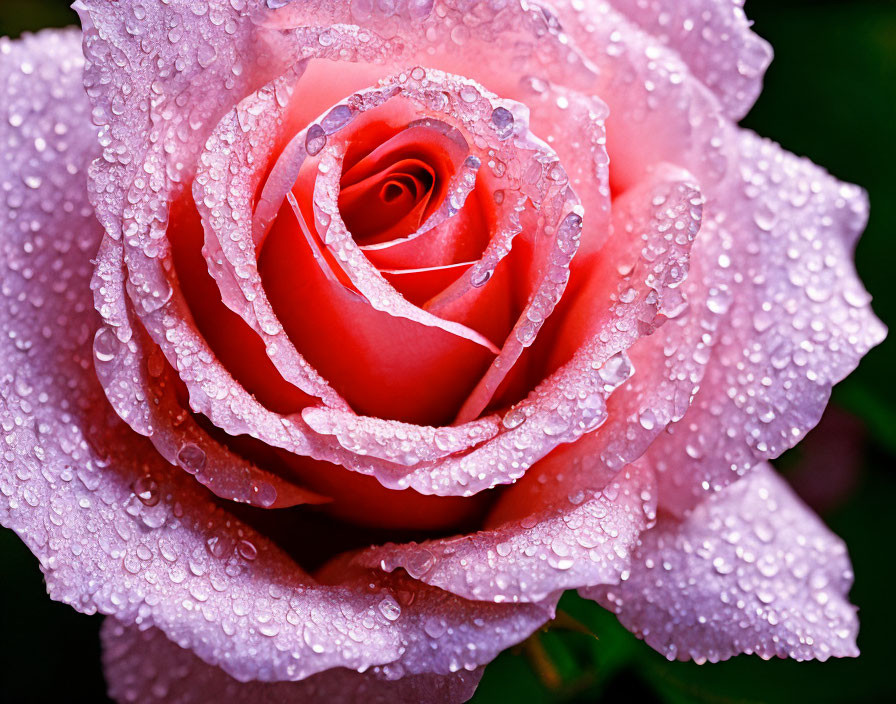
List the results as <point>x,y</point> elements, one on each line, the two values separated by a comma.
<point>390,204</point>
<point>389,189</point>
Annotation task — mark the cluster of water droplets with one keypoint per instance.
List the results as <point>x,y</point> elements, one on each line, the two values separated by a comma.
<point>751,570</point>
<point>175,676</point>
<point>785,316</point>
<point>585,539</point>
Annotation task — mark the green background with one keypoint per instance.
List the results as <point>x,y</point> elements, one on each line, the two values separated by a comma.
<point>830,94</point>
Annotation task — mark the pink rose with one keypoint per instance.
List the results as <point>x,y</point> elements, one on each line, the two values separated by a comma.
<point>291,278</point>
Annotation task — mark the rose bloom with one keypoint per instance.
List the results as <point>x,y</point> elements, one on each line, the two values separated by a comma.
<point>341,337</point>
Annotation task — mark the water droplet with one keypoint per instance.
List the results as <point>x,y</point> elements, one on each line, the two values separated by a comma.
<point>513,418</point>
<point>247,550</point>
<point>479,277</point>
<point>147,490</point>
<point>390,608</point>
<point>315,139</point>
<point>502,121</point>
<point>192,458</point>
<point>336,119</point>
<point>105,345</point>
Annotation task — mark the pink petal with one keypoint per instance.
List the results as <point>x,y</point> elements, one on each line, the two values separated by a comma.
<point>400,443</point>
<point>207,383</point>
<point>714,38</point>
<point>223,192</point>
<point>143,168</point>
<point>751,570</point>
<point>345,336</point>
<point>144,667</point>
<point>544,183</point>
<point>658,110</point>
<point>791,318</point>
<point>585,538</point>
<point>116,528</point>
<point>141,388</point>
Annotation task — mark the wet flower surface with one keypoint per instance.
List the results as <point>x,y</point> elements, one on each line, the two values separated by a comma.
<point>341,338</point>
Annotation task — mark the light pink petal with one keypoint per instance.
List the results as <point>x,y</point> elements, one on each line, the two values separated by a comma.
<point>144,667</point>
<point>141,388</point>
<point>658,110</point>
<point>116,528</point>
<point>230,171</point>
<point>573,122</point>
<point>208,384</point>
<point>714,38</point>
<point>584,539</point>
<point>400,443</point>
<point>792,318</point>
<point>156,110</point>
<point>751,570</point>
<point>153,132</point>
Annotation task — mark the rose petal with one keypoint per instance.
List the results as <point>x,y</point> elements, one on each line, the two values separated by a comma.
<point>223,193</point>
<point>173,431</point>
<point>421,284</point>
<point>714,38</point>
<point>792,319</point>
<point>419,156</point>
<point>751,570</point>
<point>195,65</point>
<point>67,487</point>
<point>465,103</point>
<point>401,443</point>
<point>144,667</point>
<point>583,539</point>
<point>658,111</point>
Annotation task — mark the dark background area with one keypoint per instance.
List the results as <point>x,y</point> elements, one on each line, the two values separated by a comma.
<point>830,94</point>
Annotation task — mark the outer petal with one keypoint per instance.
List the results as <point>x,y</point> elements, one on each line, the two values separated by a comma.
<point>144,667</point>
<point>156,412</point>
<point>714,38</point>
<point>792,318</point>
<point>116,528</point>
<point>751,570</point>
<point>584,539</point>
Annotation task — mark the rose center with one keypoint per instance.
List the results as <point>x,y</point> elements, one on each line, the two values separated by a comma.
<point>389,203</point>
<point>387,191</point>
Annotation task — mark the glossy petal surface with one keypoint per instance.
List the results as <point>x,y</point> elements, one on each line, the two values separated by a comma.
<point>751,570</point>
<point>176,676</point>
